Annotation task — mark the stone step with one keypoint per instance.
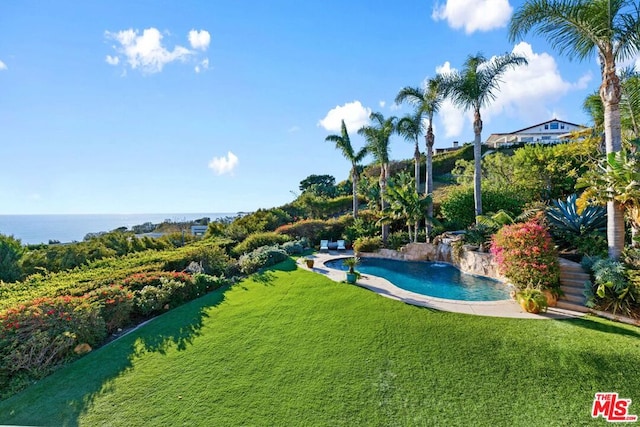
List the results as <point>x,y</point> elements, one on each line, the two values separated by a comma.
<point>573,298</point>
<point>578,283</point>
<point>575,290</point>
<point>572,306</point>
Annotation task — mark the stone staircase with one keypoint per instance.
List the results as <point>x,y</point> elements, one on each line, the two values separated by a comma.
<point>572,280</point>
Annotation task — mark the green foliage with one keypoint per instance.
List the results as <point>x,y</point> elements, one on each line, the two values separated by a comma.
<point>533,300</point>
<point>365,225</point>
<point>11,251</point>
<point>315,230</point>
<point>294,248</point>
<point>351,262</point>
<point>526,255</point>
<point>612,290</point>
<point>564,216</point>
<point>457,208</point>
<point>319,185</point>
<point>398,239</point>
<point>37,336</point>
<point>367,244</point>
<point>264,256</point>
<point>151,300</point>
<point>257,222</point>
<point>213,258</point>
<point>254,241</point>
<point>115,304</point>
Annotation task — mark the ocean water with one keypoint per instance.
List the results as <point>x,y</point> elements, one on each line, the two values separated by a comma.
<point>33,229</point>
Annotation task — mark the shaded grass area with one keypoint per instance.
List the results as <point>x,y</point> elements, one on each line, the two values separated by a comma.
<point>290,347</point>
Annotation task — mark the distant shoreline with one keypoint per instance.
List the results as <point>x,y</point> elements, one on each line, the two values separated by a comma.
<point>65,228</point>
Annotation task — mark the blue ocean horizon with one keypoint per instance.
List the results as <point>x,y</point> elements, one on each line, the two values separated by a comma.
<point>34,229</point>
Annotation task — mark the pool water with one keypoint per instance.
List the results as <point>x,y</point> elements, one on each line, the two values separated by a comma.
<point>431,278</point>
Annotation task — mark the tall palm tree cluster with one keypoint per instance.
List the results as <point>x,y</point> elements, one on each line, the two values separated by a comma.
<point>610,29</point>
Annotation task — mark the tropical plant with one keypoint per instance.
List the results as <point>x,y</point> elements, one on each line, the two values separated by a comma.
<point>343,143</point>
<point>532,300</point>
<point>565,217</point>
<point>351,262</point>
<point>474,88</point>
<point>427,103</point>
<point>367,244</point>
<point>405,203</point>
<point>611,290</point>
<point>580,28</point>
<point>377,137</point>
<point>615,178</point>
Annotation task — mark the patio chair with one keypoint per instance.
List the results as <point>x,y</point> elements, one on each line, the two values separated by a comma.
<point>341,246</point>
<point>324,246</point>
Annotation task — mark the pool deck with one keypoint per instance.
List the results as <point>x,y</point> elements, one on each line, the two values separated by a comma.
<point>507,308</point>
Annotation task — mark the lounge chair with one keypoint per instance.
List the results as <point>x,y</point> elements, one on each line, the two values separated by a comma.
<point>341,246</point>
<point>324,245</point>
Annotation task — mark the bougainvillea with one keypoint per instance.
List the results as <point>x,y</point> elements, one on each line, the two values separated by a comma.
<point>526,255</point>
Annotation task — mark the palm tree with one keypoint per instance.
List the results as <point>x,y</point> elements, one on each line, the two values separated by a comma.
<point>580,28</point>
<point>405,203</point>
<point>474,88</point>
<point>343,143</point>
<point>428,103</point>
<point>410,127</point>
<point>377,137</point>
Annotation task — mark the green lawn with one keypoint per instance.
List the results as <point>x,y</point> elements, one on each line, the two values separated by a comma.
<point>291,348</point>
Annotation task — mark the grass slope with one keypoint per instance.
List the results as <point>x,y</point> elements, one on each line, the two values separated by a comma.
<point>289,347</point>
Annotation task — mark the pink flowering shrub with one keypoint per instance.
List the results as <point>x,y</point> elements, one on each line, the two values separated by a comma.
<point>526,255</point>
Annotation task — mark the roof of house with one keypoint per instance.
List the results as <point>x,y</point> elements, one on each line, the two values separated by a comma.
<point>495,136</point>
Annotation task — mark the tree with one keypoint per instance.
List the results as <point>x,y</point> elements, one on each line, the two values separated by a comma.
<point>427,102</point>
<point>580,28</point>
<point>343,143</point>
<point>405,203</point>
<point>11,251</point>
<point>615,178</point>
<point>320,185</point>
<point>377,137</point>
<point>410,127</point>
<point>474,88</point>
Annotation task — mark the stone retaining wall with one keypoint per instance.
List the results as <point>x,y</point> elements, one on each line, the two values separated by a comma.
<point>471,262</point>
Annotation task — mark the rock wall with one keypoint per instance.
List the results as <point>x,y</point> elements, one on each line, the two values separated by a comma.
<point>471,262</point>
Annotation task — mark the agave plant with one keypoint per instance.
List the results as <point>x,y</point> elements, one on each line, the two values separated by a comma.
<point>564,217</point>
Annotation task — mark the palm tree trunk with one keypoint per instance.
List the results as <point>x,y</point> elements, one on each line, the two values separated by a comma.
<point>416,174</point>
<point>383,202</point>
<point>477,162</point>
<point>610,94</point>
<point>354,182</point>
<point>428,188</point>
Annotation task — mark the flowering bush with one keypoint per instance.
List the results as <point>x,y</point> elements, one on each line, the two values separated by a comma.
<point>115,303</point>
<point>36,336</point>
<point>137,281</point>
<point>525,254</point>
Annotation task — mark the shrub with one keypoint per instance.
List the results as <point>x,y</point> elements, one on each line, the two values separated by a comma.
<point>457,208</point>
<point>115,304</point>
<point>208,283</point>
<point>137,281</point>
<point>11,251</point>
<point>525,254</point>
<point>612,290</point>
<point>257,240</point>
<point>151,300</point>
<point>315,230</point>
<point>293,248</point>
<point>213,258</point>
<point>37,336</point>
<point>367,244</point>
<point>397,240</point>
<point>262,257</point>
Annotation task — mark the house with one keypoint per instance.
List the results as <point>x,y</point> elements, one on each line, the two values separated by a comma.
<point>549,132</point>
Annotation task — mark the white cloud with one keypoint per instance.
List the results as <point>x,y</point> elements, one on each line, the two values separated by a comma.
<point>199,39</point>
<point>3,66</point>
<point>353,113</point>
<point>112,60</point>
<point>527,92</point>
<point>222,165</point>
<point>382,104</point>
<point>203,65</point>
<point>145,51</point>
<point>473,15</point>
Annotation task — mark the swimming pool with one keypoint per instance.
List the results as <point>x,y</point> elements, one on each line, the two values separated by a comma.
<point>430,278</point>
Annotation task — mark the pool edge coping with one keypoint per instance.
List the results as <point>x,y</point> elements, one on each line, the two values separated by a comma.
<point>381,286</point>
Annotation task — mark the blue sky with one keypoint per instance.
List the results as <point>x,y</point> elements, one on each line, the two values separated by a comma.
<point>223,106</point>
